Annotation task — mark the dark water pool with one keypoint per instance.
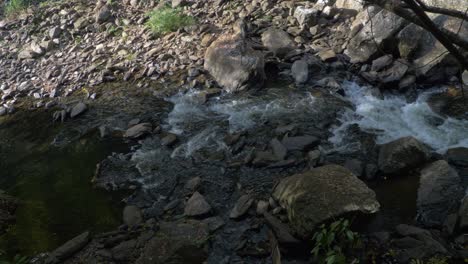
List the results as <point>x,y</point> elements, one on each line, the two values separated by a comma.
<point>58,201</point>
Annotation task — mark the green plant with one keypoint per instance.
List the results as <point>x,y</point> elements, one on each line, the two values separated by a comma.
<point>331,242</point>
<point>165,20</point>
<point>13,7</point>
<point>16,260</point>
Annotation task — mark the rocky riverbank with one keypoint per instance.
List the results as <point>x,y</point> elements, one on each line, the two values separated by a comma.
<point>233,172</point>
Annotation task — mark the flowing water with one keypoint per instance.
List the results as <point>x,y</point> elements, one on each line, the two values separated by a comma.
<point>59,202</point>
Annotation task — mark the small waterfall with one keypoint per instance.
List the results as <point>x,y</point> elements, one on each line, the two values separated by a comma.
<point>392,117</point>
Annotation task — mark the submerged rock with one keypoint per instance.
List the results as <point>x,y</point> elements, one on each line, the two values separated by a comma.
<point>439,193</point>
<point>177,242</point>
<point>321,194</point>
<point>402,154</point>
<point>68,249</point>
<point>138,131</point>
<point>241,207</point>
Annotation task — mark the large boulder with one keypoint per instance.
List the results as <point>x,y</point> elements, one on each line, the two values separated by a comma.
<point>439,193</point>
<point>402,154</point>
<point>321,194</point>
<point>234,64</point>
<point>277,41</point>
<point>366,43</point>
<point>431,60</point>
<point>177,242</point>
<point>450,103</point>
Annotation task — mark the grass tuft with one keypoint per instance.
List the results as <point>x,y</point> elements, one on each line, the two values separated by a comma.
<point>13,7</point>
<point>165,20</point>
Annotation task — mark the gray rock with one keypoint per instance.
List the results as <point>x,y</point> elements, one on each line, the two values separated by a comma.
<point>177,242</point>
<point>402,154</point>
<point>193,184</point>
<point>55,32</point>
<point>363,46</point>
<point>394,73</point>
<point>463,214</point>
<point>169,140</point>
<point>439,193</point>
<point>241,207</point>
<point>327,55</point>
<point>3,111</point>
<point>302,143</point>
<point>277,41</point>
<point>282,231</point>
<point>300,71</point>
<point>278,149</point>
<point>124,250</point>
<point>262,207</point>
<point>68,249</point>
<point>416,244</point>
<point>78,109</point>
<point>263,158</point>
<point>197,205</point>
<point>465,77</point>
<point>309,202</point>
<point>306,17</point>
<point>132,216</point>
<point>138,131</point>
<point>234,64</point>
<point>381,63</point>
<point>178,3</point>
<point>458,156</point>
<point>314,157</point>
<point>103,15</point>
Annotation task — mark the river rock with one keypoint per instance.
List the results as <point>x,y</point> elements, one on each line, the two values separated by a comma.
<point>282,231</point>
<point>349,4</point>
<point>78,109</point>
<point>55,32</point>
<point>465,77</point>
<point>278,149</point>
<point>306,17</point>
<point>364,45</point>
<point>138,131</point>
<point>302,143</point>
<point>277,41</point>
<point>321,194</point>
<point>177,242</point>
<point>402,154</point>
<point>234,64</point>
<point>439,193</point>
<point>197,205</point>
<point>300,71</point>
<point>241,207</point>
<point>132,216</point>
<point>168,140</point>
<point>458,156</point>
<point>417,243</point>
<point>463,214</point>
<point>68,249</point>
<point>103,15</point>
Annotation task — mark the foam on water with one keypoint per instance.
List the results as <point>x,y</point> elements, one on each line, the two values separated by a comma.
<point>392,117</point>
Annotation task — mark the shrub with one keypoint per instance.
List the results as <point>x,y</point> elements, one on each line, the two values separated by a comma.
<point>331,242</point>
<point>165,20</point>
<point>15,6</point>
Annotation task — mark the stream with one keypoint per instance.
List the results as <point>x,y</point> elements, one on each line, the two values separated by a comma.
<point>49,167</point>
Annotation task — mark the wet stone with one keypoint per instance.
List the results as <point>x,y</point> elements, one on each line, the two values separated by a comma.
<point>139,130</point>
<point>168,140</point>
<point>78,109</point>
<point>197,205</point>
<point>241,207</point>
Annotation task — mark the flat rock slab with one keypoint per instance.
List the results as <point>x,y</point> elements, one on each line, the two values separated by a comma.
<point>302,143</point>
<point>138,131</point>
<point>68,249</point>
<point>78,109</point>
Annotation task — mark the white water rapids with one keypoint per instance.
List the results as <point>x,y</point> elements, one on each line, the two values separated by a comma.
<point>389,118</point>
<point>392,117</point>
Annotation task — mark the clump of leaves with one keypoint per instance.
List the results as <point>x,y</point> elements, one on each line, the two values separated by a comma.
<point>166,19</point>
<point>16,260</point>
<point>13,7</point>
<point>332,242</point>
